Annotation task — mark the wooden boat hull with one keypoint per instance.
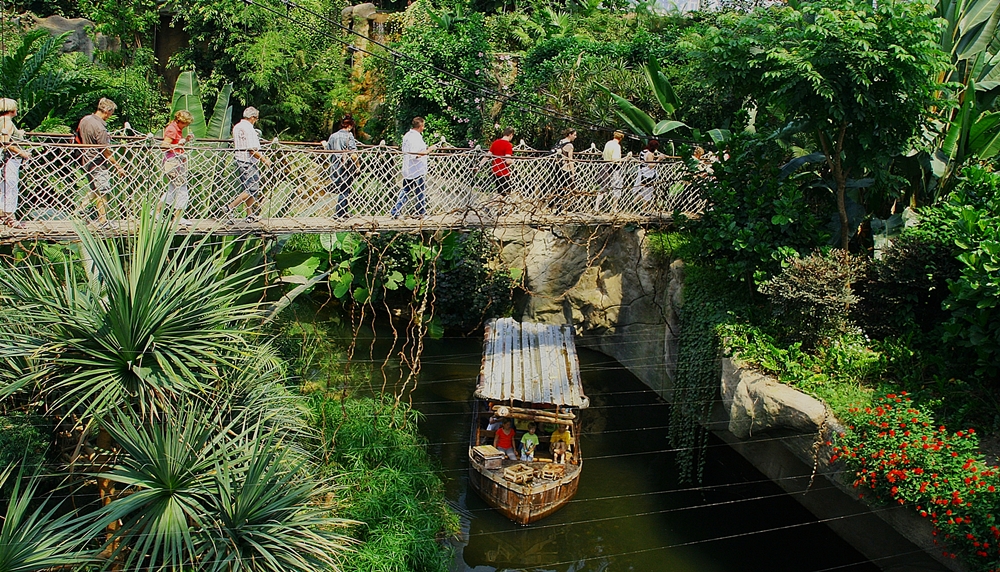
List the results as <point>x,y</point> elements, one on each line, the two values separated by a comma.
<point>525,503</point>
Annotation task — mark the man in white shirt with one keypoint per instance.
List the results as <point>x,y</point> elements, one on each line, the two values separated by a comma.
<point>247,145</point>
<point>611,177</point>
<point>415,153</point>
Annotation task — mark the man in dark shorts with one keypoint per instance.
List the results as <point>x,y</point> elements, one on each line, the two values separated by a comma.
<point>247,144</point>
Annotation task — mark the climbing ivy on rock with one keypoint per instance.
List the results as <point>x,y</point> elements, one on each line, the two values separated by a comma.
<point>698,371</point>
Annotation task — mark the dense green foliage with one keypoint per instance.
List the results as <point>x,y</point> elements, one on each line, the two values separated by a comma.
<point>858,77</point>
<point>388,483</point>
<point>758,217</point>
<point>448,280</point>
<point>811,296</point>
<point>975,294</point>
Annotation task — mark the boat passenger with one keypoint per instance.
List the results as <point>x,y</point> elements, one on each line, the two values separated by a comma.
<point>528,443</point>
<point>504,440</point>
<point>561,444</point>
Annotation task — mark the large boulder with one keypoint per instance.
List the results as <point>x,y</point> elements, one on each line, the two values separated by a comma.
<point>361,11</point>
<point>79,39</point>
<point>757,402</point>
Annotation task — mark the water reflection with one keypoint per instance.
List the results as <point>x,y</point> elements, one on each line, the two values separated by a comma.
<point>629,512</point>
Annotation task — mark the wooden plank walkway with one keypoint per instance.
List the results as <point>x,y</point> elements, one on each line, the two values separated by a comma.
<point>530,363</point>
<point>62,230</point>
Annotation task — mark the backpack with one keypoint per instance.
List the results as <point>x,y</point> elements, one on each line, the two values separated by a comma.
<point>77,153</point>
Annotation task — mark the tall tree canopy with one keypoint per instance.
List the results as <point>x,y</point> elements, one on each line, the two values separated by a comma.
<point>858,76</point>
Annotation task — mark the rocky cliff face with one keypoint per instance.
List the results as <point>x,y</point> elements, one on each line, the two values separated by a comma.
<point>606,282</point>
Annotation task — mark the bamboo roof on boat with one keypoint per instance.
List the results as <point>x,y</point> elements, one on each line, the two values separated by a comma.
<point>532,363</point>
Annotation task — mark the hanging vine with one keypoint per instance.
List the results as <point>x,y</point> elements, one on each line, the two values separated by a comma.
<point>698,373</point>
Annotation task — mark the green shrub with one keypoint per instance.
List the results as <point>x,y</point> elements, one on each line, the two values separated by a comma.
<point>756,220</point>
<point>974,296</point>
<point>389,485</point>
<point>812,296</point>
<point>895,450</point>
<point>903,291</point>
<point>22,442</point>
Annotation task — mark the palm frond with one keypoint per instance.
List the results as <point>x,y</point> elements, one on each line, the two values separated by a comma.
<point>39,539</point>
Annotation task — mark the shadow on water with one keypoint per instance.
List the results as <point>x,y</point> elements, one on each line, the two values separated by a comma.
<point>630,513</point>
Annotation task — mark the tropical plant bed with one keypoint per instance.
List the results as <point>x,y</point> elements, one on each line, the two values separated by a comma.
<point>892,449</point>
<point>895,450</point>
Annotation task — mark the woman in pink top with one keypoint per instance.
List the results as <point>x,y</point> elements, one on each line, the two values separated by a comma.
<point>504,440</point>
<point>175,164</point>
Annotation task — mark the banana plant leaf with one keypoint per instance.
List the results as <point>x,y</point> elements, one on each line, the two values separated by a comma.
<point>954,141</point>
<point>637,119</point>
<point>984,135</point>
<point>666,126</point>
<point>187,95</point>
<point>220,126</point>
<point>977,27</point>
<point>662,89</point>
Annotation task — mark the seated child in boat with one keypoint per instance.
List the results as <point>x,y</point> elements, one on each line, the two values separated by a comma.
<point>528,443</point>
<point>504,440</point>
<point>561,444</point>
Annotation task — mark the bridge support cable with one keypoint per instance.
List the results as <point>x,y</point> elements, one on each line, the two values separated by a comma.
<point>301,187</point>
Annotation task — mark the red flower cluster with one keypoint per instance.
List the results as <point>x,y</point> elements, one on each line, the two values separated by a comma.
<point>896,452</point>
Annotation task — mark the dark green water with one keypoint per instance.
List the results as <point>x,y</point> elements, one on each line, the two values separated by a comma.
<point>630,513</point>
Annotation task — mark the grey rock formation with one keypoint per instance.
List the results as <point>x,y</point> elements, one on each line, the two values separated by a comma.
<point>79,39</point>
<point>757,402</point>
<point>362,11</point>
<point>621,298</point>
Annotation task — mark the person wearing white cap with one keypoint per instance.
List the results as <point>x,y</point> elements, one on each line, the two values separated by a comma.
<point>248,154</point>
<point>10,158</point>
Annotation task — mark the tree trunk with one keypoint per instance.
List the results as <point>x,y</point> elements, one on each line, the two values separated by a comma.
<point>835,160</point>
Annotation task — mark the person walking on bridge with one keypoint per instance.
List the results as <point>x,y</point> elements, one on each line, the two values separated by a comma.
<point>611,175</point>
<point>415,153</point>
<point>565,172</point>
<point>247,144</point>
<point>10,159</point>
<point>93,130</point>
<point>175,165</point>
<point>502,150</point>
<point>344,163</point>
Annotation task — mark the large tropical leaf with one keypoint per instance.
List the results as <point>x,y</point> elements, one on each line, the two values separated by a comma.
<point>638,120</point>
<point>220,126</point>
<point>661,87</point>
<point>187,96</point>
<point>977,27</point>
<point>666,126</point>
<point>984,135</point>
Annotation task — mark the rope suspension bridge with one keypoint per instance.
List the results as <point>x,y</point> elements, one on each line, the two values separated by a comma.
<point>299,192</point>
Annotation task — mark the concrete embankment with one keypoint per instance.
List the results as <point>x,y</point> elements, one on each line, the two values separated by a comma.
<point>625,302</point>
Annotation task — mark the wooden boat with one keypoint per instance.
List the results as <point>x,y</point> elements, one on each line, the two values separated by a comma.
<point>530,372</point>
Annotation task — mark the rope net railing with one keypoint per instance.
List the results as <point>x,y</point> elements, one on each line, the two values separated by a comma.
<point>305,181</point>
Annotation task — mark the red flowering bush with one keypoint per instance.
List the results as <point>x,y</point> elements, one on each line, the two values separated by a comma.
<point>896,451</point>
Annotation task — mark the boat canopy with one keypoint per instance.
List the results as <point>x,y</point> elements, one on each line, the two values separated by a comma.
<point>531,363</point>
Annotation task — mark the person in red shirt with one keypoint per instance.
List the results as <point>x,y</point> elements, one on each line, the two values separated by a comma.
<point>501,150</point>
<point>504,440</point>
<point>175,165</point>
